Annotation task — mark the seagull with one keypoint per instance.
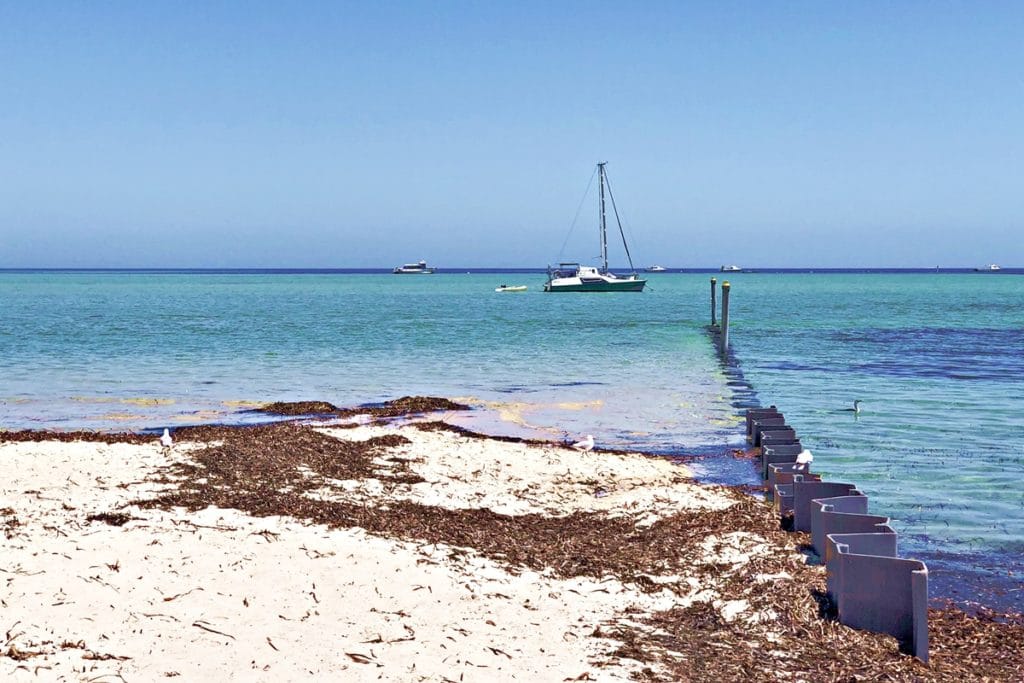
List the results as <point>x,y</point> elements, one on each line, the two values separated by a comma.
<point>804,458</point>
<point>586,445</point>
<point>166,441</point>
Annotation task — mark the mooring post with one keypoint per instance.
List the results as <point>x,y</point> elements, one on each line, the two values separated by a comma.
<point>713,282</point>
<point>724,337</point>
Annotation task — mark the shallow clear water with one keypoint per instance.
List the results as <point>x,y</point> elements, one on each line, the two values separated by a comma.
<point>115,350</point>
<point>938,360</point>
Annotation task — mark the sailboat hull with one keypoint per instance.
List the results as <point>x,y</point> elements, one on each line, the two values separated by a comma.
<point>598,287</point>
<point>623,285</point>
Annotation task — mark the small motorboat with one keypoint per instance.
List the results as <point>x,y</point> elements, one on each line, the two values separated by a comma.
<point>510,288</point>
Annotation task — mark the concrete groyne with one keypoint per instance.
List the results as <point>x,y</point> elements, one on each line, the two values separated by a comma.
<point>871,587</point>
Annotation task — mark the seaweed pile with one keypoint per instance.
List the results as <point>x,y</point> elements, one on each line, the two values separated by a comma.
<point>406,405</point>
<point>37,436</point>
<point>400,407</point>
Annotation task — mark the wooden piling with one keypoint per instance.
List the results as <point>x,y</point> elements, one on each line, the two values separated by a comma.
<point>724,336</point>
<point>714,281</point>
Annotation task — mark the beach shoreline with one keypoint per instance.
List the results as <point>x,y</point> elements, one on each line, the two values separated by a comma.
<point>413,550</point>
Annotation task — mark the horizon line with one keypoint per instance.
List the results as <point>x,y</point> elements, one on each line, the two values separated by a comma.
<point>460,269</point>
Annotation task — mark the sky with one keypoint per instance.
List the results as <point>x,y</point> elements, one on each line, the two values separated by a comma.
<point>349,135</point>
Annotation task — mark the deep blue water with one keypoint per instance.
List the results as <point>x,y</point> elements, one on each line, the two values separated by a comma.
<point>937,358</point>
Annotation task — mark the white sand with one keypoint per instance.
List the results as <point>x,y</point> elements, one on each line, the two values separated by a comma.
<point>517,479</point>
<point>219,595</point>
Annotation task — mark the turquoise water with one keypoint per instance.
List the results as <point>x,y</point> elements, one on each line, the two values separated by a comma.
<point>938,360</point>
<point>103,350</point>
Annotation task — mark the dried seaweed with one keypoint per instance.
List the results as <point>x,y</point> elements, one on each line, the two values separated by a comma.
<point>9,522</point>
<point>36,436</point>
<point>439,426</point>
<point>411,405</point>
<point>111,518</point>
<point>298,408</point>
<point>406,405</point>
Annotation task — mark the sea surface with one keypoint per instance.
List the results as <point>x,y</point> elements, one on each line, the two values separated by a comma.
<point>937,357</point>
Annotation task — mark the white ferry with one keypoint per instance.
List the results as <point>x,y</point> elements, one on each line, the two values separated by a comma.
<point>419,268</point>
<point>731,269</point>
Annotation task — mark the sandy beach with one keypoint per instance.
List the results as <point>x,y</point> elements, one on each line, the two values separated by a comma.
<point>413,552</point>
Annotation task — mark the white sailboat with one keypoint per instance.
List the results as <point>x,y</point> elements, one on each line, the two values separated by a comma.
<point>573,277</point>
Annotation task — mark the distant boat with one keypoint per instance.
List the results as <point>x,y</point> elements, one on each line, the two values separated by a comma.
<point>419,268</point>
<point>510,288</point>
<point>731,269</point>
<point>990,268</point>
<point>655,269</point>
<point>573,277</point>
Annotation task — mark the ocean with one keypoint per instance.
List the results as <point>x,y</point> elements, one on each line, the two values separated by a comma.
<point>936,357</point>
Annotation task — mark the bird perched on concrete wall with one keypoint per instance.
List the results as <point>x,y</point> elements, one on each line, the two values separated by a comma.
<point>804,458</point>
<point>586,445</point>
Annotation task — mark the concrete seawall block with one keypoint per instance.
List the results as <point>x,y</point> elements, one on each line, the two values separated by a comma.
<point>771,436</point>
<point>756,413</point>
<point>876,591</point>
<point>779,453</point>
<point>763,423</point>
<point>752,413</point>
<point>782,496</point>
<point>843,515</point>
<point>784,472</point>
<point>806,491</point>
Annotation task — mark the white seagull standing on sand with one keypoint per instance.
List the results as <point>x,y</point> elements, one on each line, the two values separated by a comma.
<point>586,445</point>
<point>166,441</point>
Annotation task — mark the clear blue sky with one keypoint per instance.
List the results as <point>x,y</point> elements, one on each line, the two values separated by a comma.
<point>337,134</point>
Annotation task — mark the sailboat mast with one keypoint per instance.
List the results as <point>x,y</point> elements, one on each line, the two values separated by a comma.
<point>604,233</point>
